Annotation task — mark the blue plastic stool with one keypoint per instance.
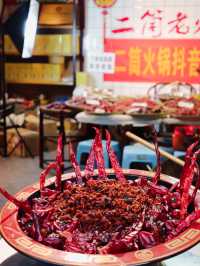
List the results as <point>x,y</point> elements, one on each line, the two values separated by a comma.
<point>140,154</point>
<point>85,146</point>
<point>179,153</point>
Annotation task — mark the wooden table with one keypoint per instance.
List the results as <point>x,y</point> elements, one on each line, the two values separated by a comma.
<point>117,124</point>
<point>186,121</point>
<point>112,119</point>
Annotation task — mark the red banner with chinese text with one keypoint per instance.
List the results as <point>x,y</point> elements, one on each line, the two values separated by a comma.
<point>147,60</point>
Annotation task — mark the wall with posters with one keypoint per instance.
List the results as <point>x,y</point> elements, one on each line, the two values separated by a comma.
<point>131,44</point>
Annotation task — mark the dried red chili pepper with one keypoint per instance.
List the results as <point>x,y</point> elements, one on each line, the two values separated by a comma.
<point>20,204</point>
<point>184,224</point>
<point>156,177</point>
<point>59,163</point>
<point>113,159</point>
<point>134,230</point>
<point>147,239</point>
<point>174,186</point>
<point>98,150</point>
<point>89,168</point>
<point>197,185</point>
<point>187,184</point>
<point>75,164</point>
<point>188,158</point>
<point>44,174</point>
<point>125,243</point>
<point>158,189</point>
<point>38,235</point>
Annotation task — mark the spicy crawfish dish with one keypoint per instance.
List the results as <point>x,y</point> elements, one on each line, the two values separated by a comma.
<point>104,215</point>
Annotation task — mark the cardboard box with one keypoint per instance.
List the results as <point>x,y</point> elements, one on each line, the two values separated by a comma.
<point>56,14</point>
<point>30,137</point>
<point>34,73</point>
<point>50,126</point>
<point>50,129</point>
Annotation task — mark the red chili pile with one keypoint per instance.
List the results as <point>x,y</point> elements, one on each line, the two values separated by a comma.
<point>141,105</point>
<point>182,107</point>
<point>106,215</point>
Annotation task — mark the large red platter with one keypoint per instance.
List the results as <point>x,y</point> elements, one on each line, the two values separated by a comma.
<point>13,234</point>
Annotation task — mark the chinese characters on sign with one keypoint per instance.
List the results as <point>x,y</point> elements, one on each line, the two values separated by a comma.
<point>179,24</point>
<point>101,63</point>
<point>151,23</point>
<point>124,28</point>
<point>153,60</point>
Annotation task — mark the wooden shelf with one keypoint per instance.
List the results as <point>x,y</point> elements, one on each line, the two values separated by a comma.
<point>49,83</point>
<point>32,91</point>
<point>48,45</point>
<point>34,59</point>
<point>12,58</point>
<point>59,29</point>
<point>46,48</point>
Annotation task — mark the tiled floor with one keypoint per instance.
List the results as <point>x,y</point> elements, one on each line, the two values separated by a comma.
<point>16,172</point>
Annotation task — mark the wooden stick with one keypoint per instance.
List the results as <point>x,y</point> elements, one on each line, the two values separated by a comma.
<point>151,146</point>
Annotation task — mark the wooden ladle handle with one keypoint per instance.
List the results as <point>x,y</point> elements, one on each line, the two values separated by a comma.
<point>151,146</point>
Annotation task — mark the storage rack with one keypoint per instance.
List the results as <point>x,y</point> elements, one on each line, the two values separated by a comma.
<point>51,90</point>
